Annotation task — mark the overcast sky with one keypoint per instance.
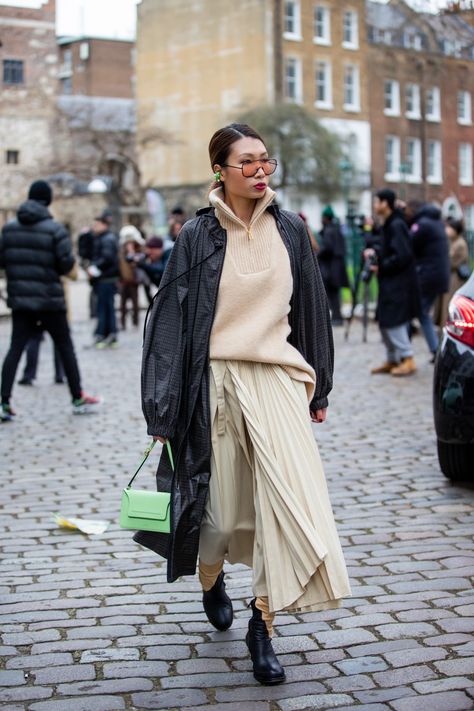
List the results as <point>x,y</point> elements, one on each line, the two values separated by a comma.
<point>116,18</point>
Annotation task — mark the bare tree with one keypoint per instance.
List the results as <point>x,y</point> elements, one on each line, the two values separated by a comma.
<point>308,154</point>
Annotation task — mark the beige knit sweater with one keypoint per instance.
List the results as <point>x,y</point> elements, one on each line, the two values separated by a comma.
<point>253,303</point>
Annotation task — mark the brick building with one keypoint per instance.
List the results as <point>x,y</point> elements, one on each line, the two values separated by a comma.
<point>28,56</point>
<point>202,64</point>
<point>421,74</point>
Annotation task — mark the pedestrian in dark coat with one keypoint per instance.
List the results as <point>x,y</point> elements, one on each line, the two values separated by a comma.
<point>398,300</point>
<point>332,262</point>
<point>35,252</point>
<point>431,248</point>
<point>104,271</point>
<point>238,337</point>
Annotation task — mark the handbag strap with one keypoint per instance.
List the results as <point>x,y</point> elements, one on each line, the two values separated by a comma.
<point>147,454</point>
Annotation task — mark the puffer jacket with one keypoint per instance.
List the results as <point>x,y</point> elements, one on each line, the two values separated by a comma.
<point>175,368</point>
<point>35,252</point>
<point>431,247</point>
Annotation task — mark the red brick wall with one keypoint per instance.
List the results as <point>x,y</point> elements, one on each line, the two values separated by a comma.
<point>107,72</point>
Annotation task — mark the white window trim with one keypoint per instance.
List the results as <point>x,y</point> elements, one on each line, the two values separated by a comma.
<point>416,113</point>
<point>467,181</point>
<point>395,176</point>
<point>435,178</point>
<point>324,41</point>
<point>299,80</point>
<point>326,105</point>
<point>468,120</point>
<point>416,176</point>
<point>396,110</point>
<point>295,36</point>
<point>355,107</point>
<point>352,45</point>
<point>435,117</point>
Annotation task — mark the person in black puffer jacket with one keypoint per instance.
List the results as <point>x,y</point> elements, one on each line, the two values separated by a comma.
<point>431,249</point>
<point>35,252</point>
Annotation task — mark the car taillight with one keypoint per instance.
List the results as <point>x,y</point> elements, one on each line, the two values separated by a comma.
<point>460,323</point>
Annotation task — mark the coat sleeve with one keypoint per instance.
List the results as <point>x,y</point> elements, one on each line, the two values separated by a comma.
<point>401,253</point>
<point>316,335</point>
<point>164,345</point>
<point>64,255</point>
<point>109,253</point>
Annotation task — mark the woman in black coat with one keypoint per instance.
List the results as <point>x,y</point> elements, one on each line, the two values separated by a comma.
<point>237,361</point>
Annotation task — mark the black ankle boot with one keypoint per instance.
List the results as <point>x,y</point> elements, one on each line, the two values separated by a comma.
<point>218,605</point>
<point>266,667</point>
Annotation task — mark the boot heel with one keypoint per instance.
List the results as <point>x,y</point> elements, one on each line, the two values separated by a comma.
<point>266,668</point>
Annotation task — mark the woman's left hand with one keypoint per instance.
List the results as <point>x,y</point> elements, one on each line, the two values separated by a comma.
<point>318,416</point>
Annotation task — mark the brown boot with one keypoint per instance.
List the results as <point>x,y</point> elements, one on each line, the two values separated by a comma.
<point>406,367</point>
<point>385,368</point>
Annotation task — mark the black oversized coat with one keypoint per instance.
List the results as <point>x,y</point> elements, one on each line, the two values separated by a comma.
<point>175,367</point>
<point>399,299</point>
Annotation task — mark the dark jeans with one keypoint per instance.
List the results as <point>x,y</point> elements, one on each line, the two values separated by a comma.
<point>27,325</point>
<point>128,291</point>
<point>32,355</point>
<point>107,325</point>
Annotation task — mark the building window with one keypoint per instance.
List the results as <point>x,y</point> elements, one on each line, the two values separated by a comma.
<point>391,98</point>
<point>392,158</point>
<point>322,25</point>
<point>351,88</point>
<point>469,217</point>
<point>464,108</point>
<point>413,160</point>
<point>66,85</point>
<point>433,104</point>
<point>350,30</point>
<point>465,164</point>
<point>13,71</point>
<point>12,157</point>
<point>434,166</point>
<point>293,83</point>
<point>292,22</point>
<point>412,40</point>
<point>412,101</point>
<point>67,60</point>
<point>323,85</point>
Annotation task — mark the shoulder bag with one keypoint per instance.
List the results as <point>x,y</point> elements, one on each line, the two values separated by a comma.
<point>142,510</point>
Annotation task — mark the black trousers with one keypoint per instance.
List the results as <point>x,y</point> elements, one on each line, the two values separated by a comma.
<point>334,298</point>
<point>32,357</point>
<point>27,325</point>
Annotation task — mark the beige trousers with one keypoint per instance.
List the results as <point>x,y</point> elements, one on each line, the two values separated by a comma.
<point>268,504</point>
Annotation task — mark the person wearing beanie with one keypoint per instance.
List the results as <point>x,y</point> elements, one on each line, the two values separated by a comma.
<point>153,262</point>
<point>36,293</point>
<point>332,262</point>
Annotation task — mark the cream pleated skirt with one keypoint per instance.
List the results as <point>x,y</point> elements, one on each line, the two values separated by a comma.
<point>268,504</point>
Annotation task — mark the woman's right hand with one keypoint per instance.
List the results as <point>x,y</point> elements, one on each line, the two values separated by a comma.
<point>156,438</point>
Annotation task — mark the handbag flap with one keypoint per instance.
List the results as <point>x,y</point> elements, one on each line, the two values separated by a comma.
<point>147,504</point>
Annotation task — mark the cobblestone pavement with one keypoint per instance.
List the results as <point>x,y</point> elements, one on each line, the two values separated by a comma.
<point>89,623</point>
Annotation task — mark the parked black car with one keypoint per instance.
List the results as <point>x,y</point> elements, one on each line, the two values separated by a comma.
<point>453,392</point>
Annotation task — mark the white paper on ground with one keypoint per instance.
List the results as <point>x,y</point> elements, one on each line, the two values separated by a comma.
<point>81,524</point>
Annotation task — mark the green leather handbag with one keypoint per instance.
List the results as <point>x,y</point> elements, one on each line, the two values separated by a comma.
<point>142,510</point>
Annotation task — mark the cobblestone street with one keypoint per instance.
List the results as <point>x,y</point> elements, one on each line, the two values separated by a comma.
<point>88,623</point>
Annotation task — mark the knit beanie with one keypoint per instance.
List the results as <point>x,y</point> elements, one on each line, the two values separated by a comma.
<point>41,191</point>
<point>328,212</point>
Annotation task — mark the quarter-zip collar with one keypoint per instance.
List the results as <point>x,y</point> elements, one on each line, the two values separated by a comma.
<point>216,198</point>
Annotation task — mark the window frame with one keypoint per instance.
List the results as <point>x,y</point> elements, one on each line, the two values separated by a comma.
<point>416,173</point>
<point>415,112</point>
<point>466,180</point>
<point>326,103</point>
<point>298,80</point>
<point>326,39</point>
<point>465,120</point>
<point>353,107</point>
<point>435,116</point>
<point>354,42</point>
<point>434,173</point>
<point>393,110</point>
<point>392,176</point>
<point>294,34</point>
<point>13,65</point>
<point>12,153</point>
